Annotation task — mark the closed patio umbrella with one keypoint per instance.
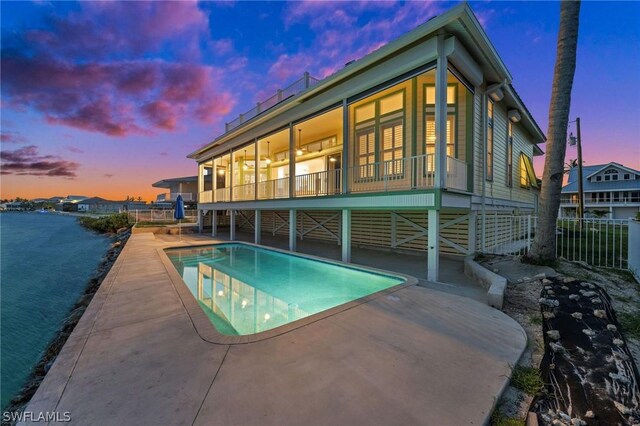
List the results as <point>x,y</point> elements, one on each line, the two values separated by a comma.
<point>178,214</point>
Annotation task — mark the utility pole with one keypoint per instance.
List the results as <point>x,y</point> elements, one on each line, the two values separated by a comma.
<point>580,183</point>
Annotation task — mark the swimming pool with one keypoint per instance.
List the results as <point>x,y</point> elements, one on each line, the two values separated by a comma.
<point>245,289</point>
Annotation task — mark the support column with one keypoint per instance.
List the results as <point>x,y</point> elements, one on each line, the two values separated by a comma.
<point>232,226</point>
<point>441,117</point>
<point>346,235</point>
<point>292,162</point>
<point>292,229</point>
<point>200,220</point>
<point>214,223</point>
<point>257,218</point>
<point>345,147</point>
<point>473,231</point>
<point>433,245</point>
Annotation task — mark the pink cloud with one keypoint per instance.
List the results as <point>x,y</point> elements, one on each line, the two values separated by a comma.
<point>28,161</point>
<point>12,137</point>
<point>78,73</point>
<point>75,150</point>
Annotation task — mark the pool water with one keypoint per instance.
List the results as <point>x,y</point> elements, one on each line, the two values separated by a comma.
<point>245,289</point>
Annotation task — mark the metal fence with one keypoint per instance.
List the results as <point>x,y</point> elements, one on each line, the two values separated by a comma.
<point>602,243</point>
<point>597,242</point>
<point>161,215</point>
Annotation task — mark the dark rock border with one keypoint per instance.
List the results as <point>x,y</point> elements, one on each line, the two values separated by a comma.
<point>20,401</point>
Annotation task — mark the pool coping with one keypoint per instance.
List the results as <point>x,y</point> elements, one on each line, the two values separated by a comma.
<point>207,331</point>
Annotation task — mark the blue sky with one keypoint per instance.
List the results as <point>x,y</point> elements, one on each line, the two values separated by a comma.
<point>105,98</point>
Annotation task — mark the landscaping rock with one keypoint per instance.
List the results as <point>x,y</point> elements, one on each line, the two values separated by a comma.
<point>611,327</point>
<point>589,332</point>
<point>553,334</point>
<point>577,315</point>
<point>574,297</point>
<point>599,313</point>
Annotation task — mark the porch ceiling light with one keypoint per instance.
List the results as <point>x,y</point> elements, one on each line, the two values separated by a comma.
<point>244,165</point>
<point>496,95</point>
<point>268,160</point>
<point>221,172</point>
<point>514,115</point>
<point>332,159</point>
<point>299,150</point>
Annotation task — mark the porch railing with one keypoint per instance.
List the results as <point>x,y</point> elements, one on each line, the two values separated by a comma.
<point>274,188</point>
<point>293,89</point>
<point>328,182</point>
<point>222,195</point>
<point>405,173</point>
<point>244,192</point>
<point>205,197</point>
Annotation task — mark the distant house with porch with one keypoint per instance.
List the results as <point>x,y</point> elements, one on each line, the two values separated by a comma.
<point>420,146</point>
<point>185,186</point>
<point>100,205</point>
<point>610,190</point>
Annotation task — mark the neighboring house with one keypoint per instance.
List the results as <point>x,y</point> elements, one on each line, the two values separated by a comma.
<point>610,190</point>
<point>417,146</point>
<point>100,205</point>
<point>185,186</point>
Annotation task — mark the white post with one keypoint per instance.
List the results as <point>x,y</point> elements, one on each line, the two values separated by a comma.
<point>292,162</point>
<point>473,231</point>
<point>433,245</point>
<point>200,220</point>
<point>345,147</point>
<point>292,229</point>
<point>232,226</point>
<point>257,226</point>
<point>346,235</point>
<point>214,223</point>
<point>528,233</point>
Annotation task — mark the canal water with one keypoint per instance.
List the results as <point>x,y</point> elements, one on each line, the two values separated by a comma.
<point>45,262</point>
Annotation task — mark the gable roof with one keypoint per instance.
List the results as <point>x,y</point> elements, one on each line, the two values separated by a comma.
<point>588,186</point>
<point>98,200</point>
<point>474,38</point>
<point>612,164</point>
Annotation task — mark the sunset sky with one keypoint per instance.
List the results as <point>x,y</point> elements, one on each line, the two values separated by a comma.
<point>105,98</point>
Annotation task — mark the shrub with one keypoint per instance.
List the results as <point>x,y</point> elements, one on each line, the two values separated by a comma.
<point>630,324</point>
<point>106,224</point>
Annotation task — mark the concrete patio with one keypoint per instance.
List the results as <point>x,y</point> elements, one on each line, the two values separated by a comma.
<point>415,356</point>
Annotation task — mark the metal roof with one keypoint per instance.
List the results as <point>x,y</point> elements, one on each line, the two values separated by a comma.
<point>166,183</point>
<point>604,185</point>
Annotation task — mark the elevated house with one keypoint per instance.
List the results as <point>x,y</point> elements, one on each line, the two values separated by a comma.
<point>416,147</point>
<point>100,205</point>
<point>610,190</point>
<point>185,186</point>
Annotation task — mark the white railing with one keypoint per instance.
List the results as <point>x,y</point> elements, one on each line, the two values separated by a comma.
<point>164,215</point>
<point>293,89</point>
<point>205,197</point>
<point>186,196</point>
<point>222,195</point>
<point>602,243</point>
<point>274,188</point>
<point>316,184</point>
<point>405,173</point>
<point>244,192</point>
<point>456,174</point>
<point>597,242</point>
<point>603,202</point>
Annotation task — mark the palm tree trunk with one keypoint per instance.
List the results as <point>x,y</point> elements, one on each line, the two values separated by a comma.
<point>544,245</point>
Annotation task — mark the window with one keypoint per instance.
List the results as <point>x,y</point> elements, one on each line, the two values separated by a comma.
<point>380,137</point>
<point>598,178</point>
<point>366,154</point>
<point>430,122</point>
<point>490,140</point>
<point>392,147</point>
<point>509,153</point>
<point>627,176</point>
<point>527,175</point>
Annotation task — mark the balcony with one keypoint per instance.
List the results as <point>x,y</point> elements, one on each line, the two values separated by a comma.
<point>412,173</point>
<point>171,196</point>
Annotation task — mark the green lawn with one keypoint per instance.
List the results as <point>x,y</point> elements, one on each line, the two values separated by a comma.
<point>597,244</point>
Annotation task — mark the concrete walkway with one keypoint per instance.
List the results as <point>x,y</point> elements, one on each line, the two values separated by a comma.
<point>415,356</point>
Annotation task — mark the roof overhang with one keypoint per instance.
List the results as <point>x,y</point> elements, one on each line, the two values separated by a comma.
<point>166,183</point>
<point>612,164</point>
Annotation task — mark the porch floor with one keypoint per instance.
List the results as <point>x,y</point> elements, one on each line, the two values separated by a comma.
<point>452,279</point>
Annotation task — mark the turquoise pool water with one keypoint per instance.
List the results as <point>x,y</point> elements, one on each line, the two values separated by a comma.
<point>245,289</point>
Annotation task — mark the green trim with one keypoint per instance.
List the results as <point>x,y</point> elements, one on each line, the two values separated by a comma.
<point>470,105</point>
<point>438,198</point>
<point>490,124</point>
<point>414,123</point>
<point>377,123</point>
